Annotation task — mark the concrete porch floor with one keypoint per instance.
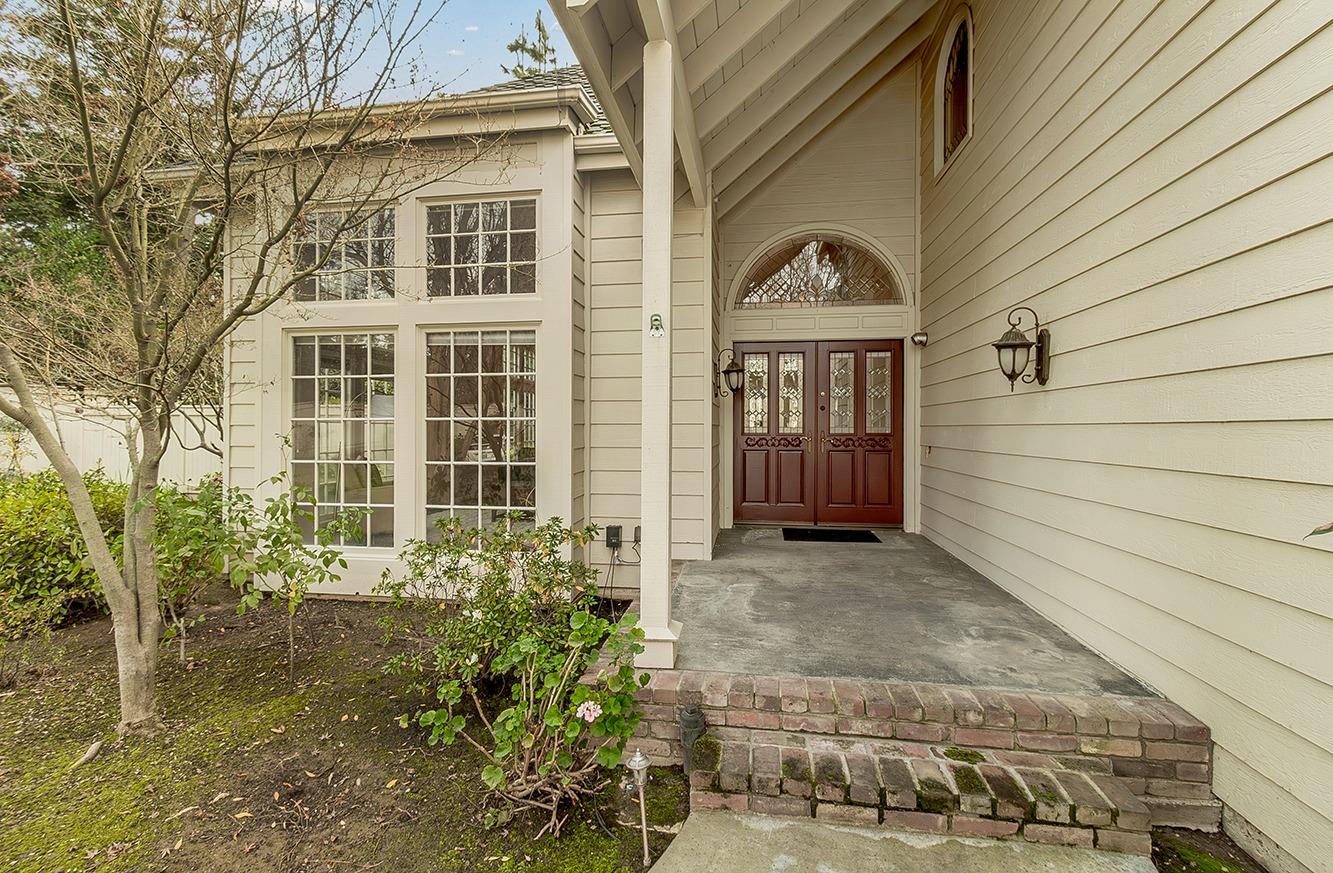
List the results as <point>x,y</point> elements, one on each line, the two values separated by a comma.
<point>902,609</point>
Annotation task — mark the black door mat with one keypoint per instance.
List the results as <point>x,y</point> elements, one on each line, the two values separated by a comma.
<point>828,535</point>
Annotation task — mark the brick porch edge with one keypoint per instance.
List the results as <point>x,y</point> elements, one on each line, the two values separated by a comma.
<point>1161,753</point>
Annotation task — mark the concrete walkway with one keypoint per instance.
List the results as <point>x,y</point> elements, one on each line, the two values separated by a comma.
<point>723,842</point>
<point>901,609</point>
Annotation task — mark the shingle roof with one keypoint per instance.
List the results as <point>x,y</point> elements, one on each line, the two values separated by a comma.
<point>571,75</point>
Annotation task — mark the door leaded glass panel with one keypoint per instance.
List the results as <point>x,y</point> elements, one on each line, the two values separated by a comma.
<point>791,392</point>
<point>756,393</point>
<point>879,392</point>
<point>842,391</point>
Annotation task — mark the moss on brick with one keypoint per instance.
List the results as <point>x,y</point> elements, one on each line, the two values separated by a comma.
<point>795,769</point>
<point>934,796</point>
<point>969,781</point>
<point>828,771</point>
<point>707,753</point>
<point>967,756</point>
<point>1046,796</point>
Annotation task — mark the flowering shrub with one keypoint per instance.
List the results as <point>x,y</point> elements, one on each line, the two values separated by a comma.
<point>505,609</point>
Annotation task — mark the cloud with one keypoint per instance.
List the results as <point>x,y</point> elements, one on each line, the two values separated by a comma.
<point>456,53</point>
<point>472,28</point>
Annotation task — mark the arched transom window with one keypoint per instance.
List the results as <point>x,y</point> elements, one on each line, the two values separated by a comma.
<point>818,270</point>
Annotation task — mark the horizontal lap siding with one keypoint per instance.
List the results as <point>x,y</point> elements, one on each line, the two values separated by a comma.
<point>579,356</point>
<point>1152,179</point>
<point>614,340</point>
<point>241,412</point>
<point>615,246</point>
<point>860,172</point>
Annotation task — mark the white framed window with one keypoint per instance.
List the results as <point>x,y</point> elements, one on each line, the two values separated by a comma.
<point>481,426</point>
<point>342,430</point>
<point>481,247</point>
<point>953,90</point>
<point>356,264</point>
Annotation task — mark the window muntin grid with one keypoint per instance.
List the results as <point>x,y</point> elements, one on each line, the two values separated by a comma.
<point>481,427</point>
<point>818,270</point>
<point>360,261</point>
<point>343,430</point>
<point>483,247</point>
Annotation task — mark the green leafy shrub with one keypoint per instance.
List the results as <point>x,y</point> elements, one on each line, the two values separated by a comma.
<point>44,558</point>
<point>504,608</point>
<point>195,542</point>
<point>271,559</point>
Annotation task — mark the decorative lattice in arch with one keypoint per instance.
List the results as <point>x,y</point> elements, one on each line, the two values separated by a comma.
<point>818,270</point>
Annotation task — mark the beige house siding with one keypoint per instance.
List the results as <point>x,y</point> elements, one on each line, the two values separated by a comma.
<point>614,322</point>
<point>240,417</point>
<point>615,225</point>
<point>859,172</point>
<point>579,354</point>
<point>1153,180</point>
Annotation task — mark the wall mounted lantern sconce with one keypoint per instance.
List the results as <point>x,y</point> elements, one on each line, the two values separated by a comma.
<point>727,379</point>
<point>920,338</point>
<point>655,326</point>
<point>1015,350</point>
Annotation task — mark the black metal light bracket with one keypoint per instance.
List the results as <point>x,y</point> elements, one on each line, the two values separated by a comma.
<point>727,378</point>
<point>1016,338</point>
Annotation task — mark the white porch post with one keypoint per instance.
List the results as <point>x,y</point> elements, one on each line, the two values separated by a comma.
<point>655,488</point>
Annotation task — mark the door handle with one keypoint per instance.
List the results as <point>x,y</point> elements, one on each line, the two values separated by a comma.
<point>823,441</point>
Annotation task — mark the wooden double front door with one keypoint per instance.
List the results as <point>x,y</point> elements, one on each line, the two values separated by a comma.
<point>818,432</point>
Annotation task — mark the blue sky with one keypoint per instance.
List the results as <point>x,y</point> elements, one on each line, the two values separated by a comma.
<point>465,46</point>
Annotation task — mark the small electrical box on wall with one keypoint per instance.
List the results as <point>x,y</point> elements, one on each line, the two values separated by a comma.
<point>613,540</point>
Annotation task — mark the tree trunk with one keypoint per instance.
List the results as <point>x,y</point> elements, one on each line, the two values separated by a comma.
<point>134,614</point>
<point>136,661</point>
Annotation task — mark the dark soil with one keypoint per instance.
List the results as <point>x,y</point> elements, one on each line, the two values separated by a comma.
<point>1181,851</point>
<point>252,774</point>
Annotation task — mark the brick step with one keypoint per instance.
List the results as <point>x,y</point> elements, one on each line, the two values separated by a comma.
<point>946,790</point>
<point>1162,754</point>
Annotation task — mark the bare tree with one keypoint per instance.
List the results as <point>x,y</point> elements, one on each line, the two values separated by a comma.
<point>202,137</point>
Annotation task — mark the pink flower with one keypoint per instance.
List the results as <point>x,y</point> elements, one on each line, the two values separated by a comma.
<point>589,711</point>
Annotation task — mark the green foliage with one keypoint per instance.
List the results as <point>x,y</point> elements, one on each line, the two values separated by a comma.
<point>44,558</point>
<point>194,544</point>
<point>504,606</point>
<point>1322,529</point>
<point>474,592</point>
<point>531,55</point>
<point>270,555</point>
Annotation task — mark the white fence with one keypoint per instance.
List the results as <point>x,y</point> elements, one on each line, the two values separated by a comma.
<point>96,437</point>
